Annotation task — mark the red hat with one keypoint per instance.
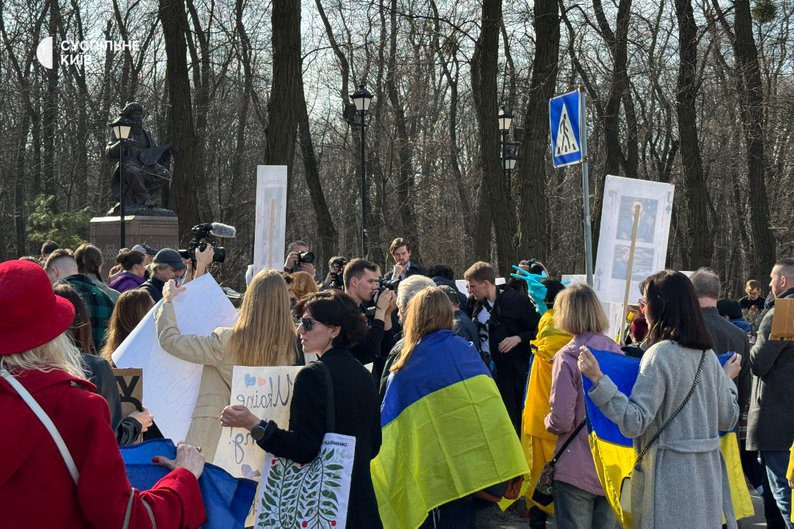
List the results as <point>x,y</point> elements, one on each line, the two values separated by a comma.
<point>32,314</point>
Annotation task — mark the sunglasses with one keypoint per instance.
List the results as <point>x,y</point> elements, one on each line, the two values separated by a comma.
<point>308,323</point>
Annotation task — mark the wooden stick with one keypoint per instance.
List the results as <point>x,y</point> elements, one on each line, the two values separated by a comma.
<point>629,269</point>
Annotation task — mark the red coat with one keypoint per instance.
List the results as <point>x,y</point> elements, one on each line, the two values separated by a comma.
<point>36,489</point>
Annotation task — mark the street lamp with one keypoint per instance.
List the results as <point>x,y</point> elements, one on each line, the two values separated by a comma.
<point>509,148</point>
<point>121,131</point>
<point>361,99</point>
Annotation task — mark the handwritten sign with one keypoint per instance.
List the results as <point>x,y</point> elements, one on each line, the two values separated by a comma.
<point>267,392</point>
<point>172,384</point>
<point>130,385</point>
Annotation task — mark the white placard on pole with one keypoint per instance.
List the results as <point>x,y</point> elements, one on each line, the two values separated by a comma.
<point>271,219</point>
<point>614,243</point>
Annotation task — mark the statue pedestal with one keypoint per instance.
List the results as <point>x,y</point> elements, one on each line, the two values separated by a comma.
<point>157,232</point>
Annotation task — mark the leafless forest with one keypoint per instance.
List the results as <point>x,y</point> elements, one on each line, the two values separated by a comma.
<point>699,93</point>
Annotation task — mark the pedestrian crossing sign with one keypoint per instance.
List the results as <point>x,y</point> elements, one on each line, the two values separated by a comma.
<point>566,126</point>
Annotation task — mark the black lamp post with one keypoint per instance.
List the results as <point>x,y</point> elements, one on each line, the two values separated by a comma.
<point>361,99</point>
<point>509,148</point>
<point>121,131</point>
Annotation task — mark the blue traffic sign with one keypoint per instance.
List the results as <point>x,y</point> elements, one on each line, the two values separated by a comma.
<point>566,125</point>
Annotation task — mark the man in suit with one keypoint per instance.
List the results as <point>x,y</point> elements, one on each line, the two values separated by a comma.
<point>506,321</point>
<point>400,250</point>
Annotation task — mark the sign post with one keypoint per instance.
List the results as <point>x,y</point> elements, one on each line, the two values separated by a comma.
<point>568,129</point>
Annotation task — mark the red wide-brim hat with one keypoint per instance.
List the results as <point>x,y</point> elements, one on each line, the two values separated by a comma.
<point>32,315</point>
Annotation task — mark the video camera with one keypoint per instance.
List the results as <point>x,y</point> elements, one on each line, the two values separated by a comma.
<point>200,233</point>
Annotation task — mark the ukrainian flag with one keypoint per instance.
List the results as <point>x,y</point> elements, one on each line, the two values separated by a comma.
<point>446,432</point>
<point>614,455</point>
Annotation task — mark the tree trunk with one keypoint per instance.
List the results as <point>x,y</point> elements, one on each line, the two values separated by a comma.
<point>533,217</point>
<point>325,223</point>
<point>405,182</point>
<point>701,242</point>
<point>50,110</point>
<point>494,180</point>
<point>282,110</point>
<point>187,175</point>
<point>753,116</point>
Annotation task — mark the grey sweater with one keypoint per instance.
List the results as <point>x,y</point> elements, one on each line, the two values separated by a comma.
<point>683,482</point>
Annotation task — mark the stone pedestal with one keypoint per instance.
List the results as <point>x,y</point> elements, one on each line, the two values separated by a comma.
<point>157,232</point>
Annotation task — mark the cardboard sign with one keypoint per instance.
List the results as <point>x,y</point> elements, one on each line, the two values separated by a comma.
<point>783,320</point>
<point>267,392</point>
<point>130,384</point>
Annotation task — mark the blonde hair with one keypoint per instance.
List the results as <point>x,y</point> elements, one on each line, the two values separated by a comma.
<point>577,310</point>
<point>428,311</point>
<point>264,333</point>
<point>57,354</point>
<point>302,285</point>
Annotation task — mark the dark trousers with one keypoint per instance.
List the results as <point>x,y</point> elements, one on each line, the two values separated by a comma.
<point>510,376</point>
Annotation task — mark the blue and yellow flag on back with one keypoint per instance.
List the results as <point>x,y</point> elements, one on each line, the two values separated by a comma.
<point>614,455</point>
<point>446,433</point>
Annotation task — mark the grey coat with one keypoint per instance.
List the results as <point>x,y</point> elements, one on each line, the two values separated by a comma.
<point>727,337</point>
<point>770,422</point>
<point>684,482</point>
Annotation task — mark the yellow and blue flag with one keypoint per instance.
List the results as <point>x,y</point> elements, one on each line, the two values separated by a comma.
<point>614,455</point>
<point>446,432</point>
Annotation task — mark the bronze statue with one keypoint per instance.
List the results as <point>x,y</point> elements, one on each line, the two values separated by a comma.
<point>144,167</point>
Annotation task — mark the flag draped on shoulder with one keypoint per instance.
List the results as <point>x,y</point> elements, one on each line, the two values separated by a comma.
<point>446,432</point>
<point>614,455</point>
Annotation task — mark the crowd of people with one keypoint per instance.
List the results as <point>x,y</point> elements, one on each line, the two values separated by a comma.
<point>513,363</point>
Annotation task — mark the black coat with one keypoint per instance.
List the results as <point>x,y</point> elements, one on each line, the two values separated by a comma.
<point>154,287</point>
<point>770,422</point>
<point>356,413</point>
<point>726,337</point>
<point>513,314</point>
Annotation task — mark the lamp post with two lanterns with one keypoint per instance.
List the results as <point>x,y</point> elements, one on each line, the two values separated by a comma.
<point>121,130</point>
<point>509,148</point>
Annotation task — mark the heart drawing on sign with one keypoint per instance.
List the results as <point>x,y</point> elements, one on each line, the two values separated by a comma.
<point>250,380</point>
<point>261,381</point>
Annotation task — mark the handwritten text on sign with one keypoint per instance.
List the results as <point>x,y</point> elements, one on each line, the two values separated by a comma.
<point>267,392</point>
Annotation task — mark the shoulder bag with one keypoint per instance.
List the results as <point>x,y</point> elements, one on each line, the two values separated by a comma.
<point>636,471</point>
<point>544,488</point>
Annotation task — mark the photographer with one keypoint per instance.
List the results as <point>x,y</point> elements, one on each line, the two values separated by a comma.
<point>336,265</point>
<point>299,259</point>
<point>362,283</point>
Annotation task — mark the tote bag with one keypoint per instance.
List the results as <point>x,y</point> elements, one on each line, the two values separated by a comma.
<point>313,495</point>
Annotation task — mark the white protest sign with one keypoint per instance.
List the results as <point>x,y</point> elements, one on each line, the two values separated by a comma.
<point>267,392</point>
<point>172,384</point>
<point>461,284</point>
<point>574,279</point>
<point>271,219</point>
<point>617,217</point>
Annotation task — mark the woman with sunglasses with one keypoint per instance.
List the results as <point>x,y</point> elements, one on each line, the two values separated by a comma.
<point>330,325</point>
<point>263,335</point>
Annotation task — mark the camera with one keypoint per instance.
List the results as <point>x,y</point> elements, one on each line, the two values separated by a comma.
<point>305,257</point>
<point>200,233</point>
<point>336,266</point>
<point>391,284</point>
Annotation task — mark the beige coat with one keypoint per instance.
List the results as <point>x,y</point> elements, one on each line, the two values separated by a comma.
<point>216,377</point>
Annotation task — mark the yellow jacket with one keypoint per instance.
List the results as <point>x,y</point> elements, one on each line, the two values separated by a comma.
<point>548,341</point>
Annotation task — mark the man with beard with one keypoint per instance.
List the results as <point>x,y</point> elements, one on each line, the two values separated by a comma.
<point>143,167</point>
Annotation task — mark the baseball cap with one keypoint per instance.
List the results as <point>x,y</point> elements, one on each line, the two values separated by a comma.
<point>144,249</point>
